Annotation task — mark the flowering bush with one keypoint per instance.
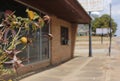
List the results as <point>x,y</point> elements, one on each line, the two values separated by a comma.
<point>15,31</point>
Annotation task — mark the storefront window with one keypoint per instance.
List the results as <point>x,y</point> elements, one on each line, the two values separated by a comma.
<point>38,50</point>
<point>45,41</point>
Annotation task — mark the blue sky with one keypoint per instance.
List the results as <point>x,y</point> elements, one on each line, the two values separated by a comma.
<point>115,13</point>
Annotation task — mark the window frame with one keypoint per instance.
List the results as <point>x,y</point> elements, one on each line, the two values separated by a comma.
<point>64,35</point>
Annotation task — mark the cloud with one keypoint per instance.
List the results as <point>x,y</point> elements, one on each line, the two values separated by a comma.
<point>115,10</point>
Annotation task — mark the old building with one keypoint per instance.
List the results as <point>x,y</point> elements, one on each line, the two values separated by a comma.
<point>65,16</point>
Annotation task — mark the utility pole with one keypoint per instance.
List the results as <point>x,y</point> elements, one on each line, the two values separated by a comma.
<point>90,35</point>
<point>110,24</point>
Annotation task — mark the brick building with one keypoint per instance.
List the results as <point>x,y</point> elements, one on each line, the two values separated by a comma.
<point>65,16</point>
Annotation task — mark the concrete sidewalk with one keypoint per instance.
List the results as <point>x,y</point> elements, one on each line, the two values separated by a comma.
<point>82,69</point>
<point>100,67</point>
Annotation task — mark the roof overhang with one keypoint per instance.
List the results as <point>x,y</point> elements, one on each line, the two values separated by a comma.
<point>69,10</point>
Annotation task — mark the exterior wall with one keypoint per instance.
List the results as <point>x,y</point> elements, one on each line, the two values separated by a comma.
<point>33,67</point>
<point>61,53</point>
<point>26,69</point>
<point>73,37</point>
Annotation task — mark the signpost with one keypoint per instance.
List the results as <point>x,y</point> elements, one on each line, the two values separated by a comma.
<point>91,6</point>
<point>110,29</point>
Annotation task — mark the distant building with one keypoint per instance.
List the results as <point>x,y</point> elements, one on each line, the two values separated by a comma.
<point>83,30</point>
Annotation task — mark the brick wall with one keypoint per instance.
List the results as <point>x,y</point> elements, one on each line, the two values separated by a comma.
<point>61,53</point>
<point>73,37</point>
<point>33,67</point>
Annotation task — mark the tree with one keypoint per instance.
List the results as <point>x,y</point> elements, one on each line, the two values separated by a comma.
<point>104,22</point>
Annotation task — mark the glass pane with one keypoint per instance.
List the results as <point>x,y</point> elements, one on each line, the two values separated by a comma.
<point>45,42</point>
<point>34,48</point>
<point>23,55</point>
<point>45,48</point>
<point>64,35</point>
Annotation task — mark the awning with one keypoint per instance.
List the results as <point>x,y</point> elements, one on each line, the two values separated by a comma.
<point>69,10</point>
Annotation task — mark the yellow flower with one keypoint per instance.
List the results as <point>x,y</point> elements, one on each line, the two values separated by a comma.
<point>24,40</point>
<point>30,14</point>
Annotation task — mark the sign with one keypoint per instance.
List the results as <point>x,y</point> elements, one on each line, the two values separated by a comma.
<point>98,31</point>
<point>92,5</point>
<point>102,31</point>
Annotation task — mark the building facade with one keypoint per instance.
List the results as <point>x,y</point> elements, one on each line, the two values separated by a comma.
<point>65,15</point>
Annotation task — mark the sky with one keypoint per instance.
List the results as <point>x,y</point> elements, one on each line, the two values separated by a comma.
<point>115,12</point>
